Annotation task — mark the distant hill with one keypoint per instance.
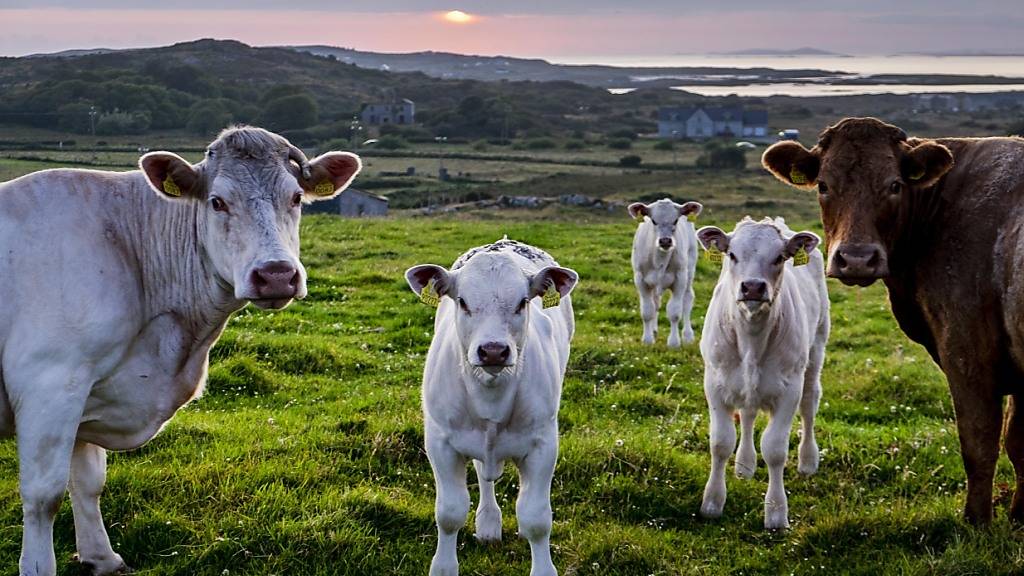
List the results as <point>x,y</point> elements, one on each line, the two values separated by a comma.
<point>204,84</point>
<point>494,68</point>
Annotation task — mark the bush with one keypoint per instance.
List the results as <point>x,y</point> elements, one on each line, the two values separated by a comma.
<point>391,143</point>
<point>665,145</point>
<point>540,144</point>
<point>575,145</point>
<point>207,117</point>
<point>623,133</point>
<point>631,161</point>
<point>722,156</point>
<point>620,144</point>
<point>290,113</point>
<point>123,123</point>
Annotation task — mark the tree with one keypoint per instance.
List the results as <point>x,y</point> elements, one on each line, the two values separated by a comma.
<point>207,117</point>
<point>290,113</point>
<point>722,156</point>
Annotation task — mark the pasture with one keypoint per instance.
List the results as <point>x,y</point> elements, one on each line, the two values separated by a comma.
<point>305,454</point>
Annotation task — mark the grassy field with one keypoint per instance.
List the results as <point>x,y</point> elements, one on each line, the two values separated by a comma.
<point>305,454</point>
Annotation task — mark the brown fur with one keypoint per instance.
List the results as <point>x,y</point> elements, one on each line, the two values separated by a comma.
<point>954,239</point>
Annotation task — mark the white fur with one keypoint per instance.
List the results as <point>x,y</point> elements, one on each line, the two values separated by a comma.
<point>763,357</point>
<point>656,270</point>
<point>472,414</point>
<point>113,297</point>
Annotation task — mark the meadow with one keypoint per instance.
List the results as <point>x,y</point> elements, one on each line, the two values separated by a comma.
<point>304,456</point>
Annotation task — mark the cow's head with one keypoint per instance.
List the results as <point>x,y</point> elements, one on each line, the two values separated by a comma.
<point>248,193</point>
<point>756,256</point>
<point>490,295</point>
<point>664,216</point>
<point>864,170</point>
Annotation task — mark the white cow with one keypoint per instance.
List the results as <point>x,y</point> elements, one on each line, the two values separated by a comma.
<point>763,345</point>
<point>491,389</point>
<point>665,258</point>
<point>115,287</point>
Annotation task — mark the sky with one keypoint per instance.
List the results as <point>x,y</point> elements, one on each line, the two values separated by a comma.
<point>539,28</point>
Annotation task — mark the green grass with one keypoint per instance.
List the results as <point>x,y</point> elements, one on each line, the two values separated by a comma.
<point>305,454</point>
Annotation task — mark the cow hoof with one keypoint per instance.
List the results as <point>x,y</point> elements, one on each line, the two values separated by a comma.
<point>776,522</point>
<point>110,567</point>
<point>488,526</point>
<point>673,343</point>
<point>745,470</point>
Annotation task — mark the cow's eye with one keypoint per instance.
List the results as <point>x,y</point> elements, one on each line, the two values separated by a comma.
<point>822,187</point>
<point>896,187</point>
<point>296,198</point>
<point>522,305</point>
<point>732,257</point>
<point>217,204</point>
<point>462,304</point>
<point>780,260</point>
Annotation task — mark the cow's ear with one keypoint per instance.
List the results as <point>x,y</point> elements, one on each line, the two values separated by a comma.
<point>690,210</point>
<point>637,210</point>
<point>436,277</point>
<point>563,280</point>
<point>792,163</point>
<point>924,164</point>
<point>171,176</point>
<point>713,237</point>
<point>329,174</point>
<point>808,241</point>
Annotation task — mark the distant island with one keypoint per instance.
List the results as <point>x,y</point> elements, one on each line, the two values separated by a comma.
<point>803,51</point>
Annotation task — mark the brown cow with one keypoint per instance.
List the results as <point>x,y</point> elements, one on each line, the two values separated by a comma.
<point>941,222</point>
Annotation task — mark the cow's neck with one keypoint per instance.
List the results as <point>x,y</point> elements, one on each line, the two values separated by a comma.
<point>175,272</point>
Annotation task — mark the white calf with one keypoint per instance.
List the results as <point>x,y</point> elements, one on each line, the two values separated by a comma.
<point>763,345</point>
<point>491,388</point>
<point>665,258</point>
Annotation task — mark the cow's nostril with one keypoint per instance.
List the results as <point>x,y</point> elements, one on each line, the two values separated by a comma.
<point>258,280</point>
<point>294,282</point>
<point>838,260</point>
<point>873,260</point>
<point>504,353</point>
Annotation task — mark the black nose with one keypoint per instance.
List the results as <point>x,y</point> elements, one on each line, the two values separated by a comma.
<point>665,242</point>
<point>494,354</point>
<point>753,290</point>
<point>277,279</point>
<point>858,261</point>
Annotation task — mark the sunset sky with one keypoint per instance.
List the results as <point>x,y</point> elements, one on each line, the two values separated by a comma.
<point>523,28</point>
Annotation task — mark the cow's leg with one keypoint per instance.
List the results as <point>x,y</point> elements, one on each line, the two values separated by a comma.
<point>88,474</point>
<point>746,456</point>
<point>723,442</point>
<point>488,514</point>
<point>679,307</point>
<point>808,456</point>
<point>533,507</point>
<point>648,312</point>
<point>1013,439</point>
<point>45,436</point>
<point>979,421</point>
<point>451,505</point>
<point>774,450</point>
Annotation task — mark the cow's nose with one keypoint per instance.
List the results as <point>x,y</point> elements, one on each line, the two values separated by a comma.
<point>753,289</point>
<point>866,261</point>
<point>494,354</point>
<point>665,243</point>
<point>277,279</point>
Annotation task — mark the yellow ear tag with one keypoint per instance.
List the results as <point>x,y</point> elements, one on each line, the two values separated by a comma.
<point>801,257</point>
<point>429,295</point>
<point>551,297</point>
<point>692,216</point>
<point>917,175</point>
<point>713,254</point>
<point>325,188</point>
<point>170,188</point>
<point>796,176</point>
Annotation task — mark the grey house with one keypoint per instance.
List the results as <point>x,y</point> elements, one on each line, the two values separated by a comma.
<point>401,112</point>
<point>352,203</point>
<point>701,122</point>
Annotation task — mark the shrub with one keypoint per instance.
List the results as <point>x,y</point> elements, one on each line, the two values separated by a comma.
<point>665,145</point>
<point>391,143</point>
<point>540,144</point>
<point>631,161</point>
<point>575,145</point>
<point>722,156</point>
<point>620,144</point>
<point>623,133</point>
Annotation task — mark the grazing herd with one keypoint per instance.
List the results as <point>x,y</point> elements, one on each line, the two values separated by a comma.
<point>118,285</point>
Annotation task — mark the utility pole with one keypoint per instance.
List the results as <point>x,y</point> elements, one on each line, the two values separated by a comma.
<point>92,119</point>
<point>675,161</point>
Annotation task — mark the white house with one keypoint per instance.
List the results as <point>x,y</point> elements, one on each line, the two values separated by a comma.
<point>707,122</point>
<point>402,112</point>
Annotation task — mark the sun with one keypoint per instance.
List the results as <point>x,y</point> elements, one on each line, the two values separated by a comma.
<point>458,17</point>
